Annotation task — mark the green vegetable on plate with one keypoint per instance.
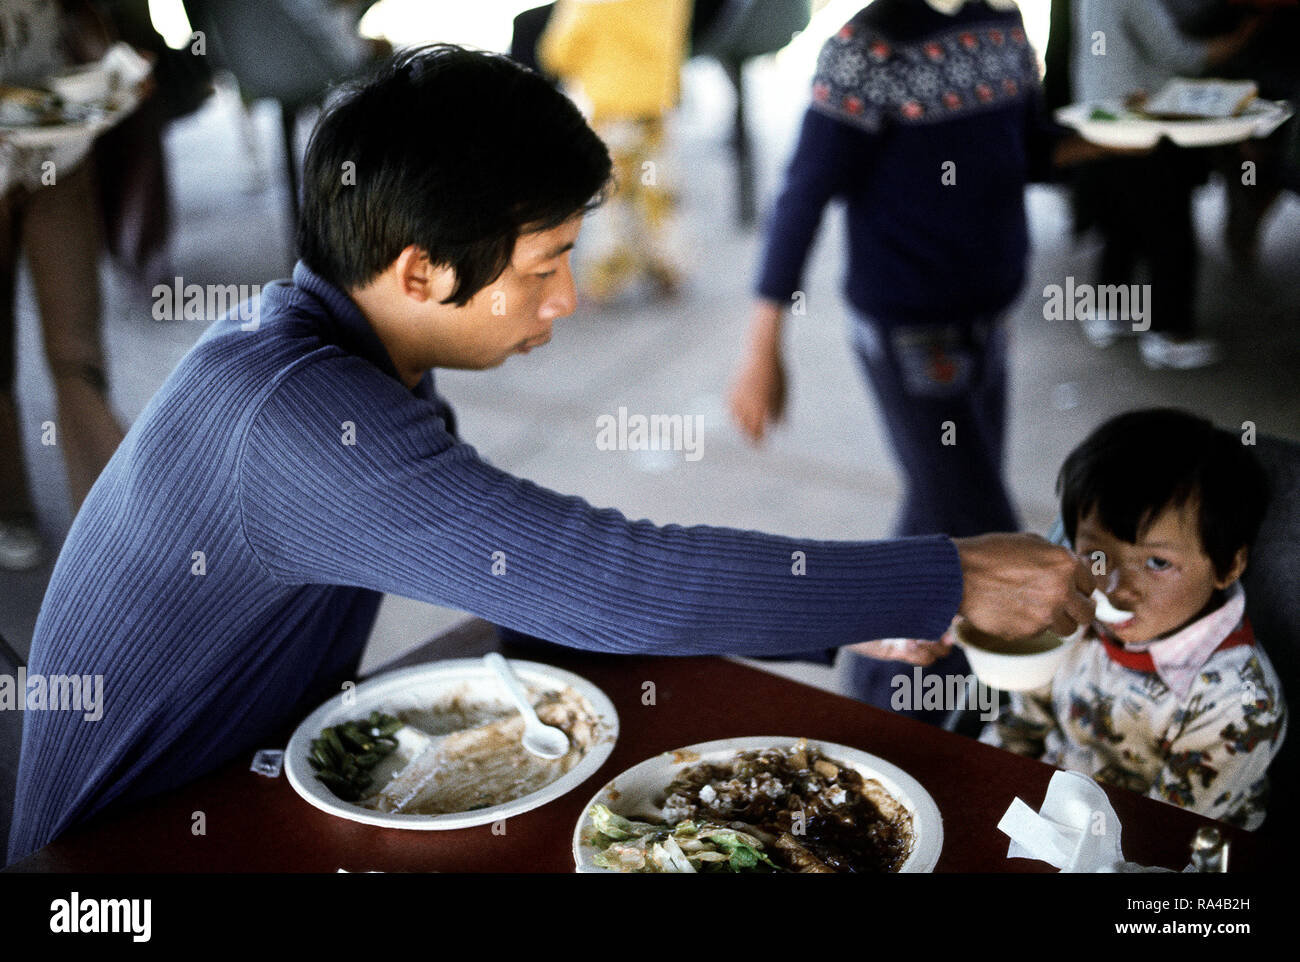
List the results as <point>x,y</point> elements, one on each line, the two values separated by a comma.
<point>344,754</point>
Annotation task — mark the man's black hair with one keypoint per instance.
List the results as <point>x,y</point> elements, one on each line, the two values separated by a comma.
<point>455,151</point>
<point>1138,464</point>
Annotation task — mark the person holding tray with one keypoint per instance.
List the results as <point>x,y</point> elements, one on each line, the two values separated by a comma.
<point>49,211</point>
<point>1142,206</point>
<point>225,572</point>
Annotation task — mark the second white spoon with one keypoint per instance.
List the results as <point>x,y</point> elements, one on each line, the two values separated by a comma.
<point>544,741</point>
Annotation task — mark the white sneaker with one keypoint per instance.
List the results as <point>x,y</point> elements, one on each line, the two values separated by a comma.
<point>1160,351</point>
<point>21,547</point>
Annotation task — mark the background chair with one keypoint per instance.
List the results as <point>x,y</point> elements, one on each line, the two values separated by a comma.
<point>1272,583</point>
<point>289,51</point>
<point>741,31</point>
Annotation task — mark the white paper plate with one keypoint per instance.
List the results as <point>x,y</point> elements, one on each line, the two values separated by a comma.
<point>636,790</point>
<point>51,136</point>
<point>423,686</point>
<point>1259,119</point>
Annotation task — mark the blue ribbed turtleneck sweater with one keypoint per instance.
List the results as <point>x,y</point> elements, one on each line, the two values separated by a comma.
<point>241,455</point>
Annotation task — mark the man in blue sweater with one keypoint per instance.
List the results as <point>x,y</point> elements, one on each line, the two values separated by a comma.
<point>226,569</point>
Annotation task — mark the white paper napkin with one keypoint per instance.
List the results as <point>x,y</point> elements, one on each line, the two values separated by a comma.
<point>1076,830</point>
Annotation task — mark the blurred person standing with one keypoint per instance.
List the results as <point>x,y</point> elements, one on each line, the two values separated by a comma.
<point>927,119</point>
<point>623,60</point>
<point>48,211</point>
<point>1142,206</point>
<point>1269,61</point>
<point>130,160</point>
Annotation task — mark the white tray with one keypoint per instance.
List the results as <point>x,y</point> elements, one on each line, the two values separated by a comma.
<point>1134,131</point>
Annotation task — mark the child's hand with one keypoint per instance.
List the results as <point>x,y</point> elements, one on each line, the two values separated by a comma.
<point>758,392</point>
<point>914,651</point>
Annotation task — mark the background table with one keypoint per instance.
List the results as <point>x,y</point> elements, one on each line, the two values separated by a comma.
<point>254,823</point>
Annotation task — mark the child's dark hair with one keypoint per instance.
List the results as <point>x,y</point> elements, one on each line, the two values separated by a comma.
<point>455,151</point>
<point>1138,464</point>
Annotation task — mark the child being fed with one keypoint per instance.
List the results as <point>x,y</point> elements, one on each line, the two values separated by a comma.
<point>1179,702</point>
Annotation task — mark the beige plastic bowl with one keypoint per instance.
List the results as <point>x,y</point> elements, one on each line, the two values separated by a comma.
<point>1015,666</point>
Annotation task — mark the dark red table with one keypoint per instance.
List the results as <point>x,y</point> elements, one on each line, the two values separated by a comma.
<point>259,824</point>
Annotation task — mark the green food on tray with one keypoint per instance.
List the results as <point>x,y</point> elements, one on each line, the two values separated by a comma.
<point>631,846</point>
<point>1099,113</point>
<point>343,755</point>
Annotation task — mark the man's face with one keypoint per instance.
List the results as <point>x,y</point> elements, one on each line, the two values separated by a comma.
<point>514,313</point>
<point>1166,579</point>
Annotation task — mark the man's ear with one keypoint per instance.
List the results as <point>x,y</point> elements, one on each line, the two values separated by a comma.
<point>418,278</point>
<point>1235,572</point>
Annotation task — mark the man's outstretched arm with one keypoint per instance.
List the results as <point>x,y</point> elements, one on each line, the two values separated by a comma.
<point>406,509</point>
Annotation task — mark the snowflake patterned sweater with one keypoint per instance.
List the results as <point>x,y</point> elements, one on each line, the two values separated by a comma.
<point>928,126</point>
<point>1193,719</point>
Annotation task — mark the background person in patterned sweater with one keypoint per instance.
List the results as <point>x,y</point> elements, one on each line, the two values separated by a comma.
<point>1177,703</point>
<point>927,119</point>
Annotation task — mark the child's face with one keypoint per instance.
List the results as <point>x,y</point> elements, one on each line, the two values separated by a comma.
<point>1166,579</point>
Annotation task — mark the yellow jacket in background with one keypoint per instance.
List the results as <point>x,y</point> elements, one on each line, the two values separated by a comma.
<point>625,56</point>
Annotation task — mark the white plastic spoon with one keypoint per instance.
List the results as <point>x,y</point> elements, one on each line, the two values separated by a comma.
<point>544,741</point>
<point>1107,612</point>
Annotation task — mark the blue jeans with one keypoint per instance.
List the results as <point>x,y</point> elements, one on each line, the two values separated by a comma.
<point>942,392</point>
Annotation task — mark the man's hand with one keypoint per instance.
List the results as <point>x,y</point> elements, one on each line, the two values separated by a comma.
<point>1016,585</point>
<point>757,396</point>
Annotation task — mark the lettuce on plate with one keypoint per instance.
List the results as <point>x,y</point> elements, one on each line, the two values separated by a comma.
<point>626,845</point>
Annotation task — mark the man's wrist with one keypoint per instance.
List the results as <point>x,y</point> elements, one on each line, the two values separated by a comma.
<point>963,569</point>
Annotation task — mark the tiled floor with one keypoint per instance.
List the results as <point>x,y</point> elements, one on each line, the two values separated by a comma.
<point>825,473</point>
